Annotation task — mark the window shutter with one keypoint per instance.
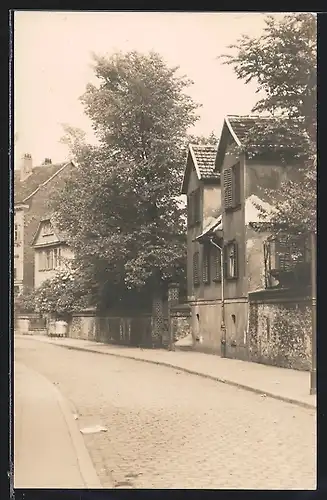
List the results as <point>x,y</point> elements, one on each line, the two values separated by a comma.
<point>196,277</point>
<point>228,189</point>
<point>206,265</point>
<point>236,185</point>
<point>216,268</point>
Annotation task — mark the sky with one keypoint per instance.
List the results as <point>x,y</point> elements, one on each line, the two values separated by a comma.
<point>53,64</point>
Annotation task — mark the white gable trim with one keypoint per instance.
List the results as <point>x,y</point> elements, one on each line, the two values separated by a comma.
<point>230,128</point>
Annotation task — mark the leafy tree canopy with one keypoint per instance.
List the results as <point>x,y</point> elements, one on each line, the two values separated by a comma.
<point>121,210</point>
<point>282,61</point>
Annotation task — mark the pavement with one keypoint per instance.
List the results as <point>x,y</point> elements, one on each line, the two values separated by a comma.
<point>49,451</point>
<point>169,429</point>
<point>284,384</point>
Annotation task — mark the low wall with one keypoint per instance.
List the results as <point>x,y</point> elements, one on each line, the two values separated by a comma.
<point>280,331</point>
<point>29,324</point>
<point>134,331</point>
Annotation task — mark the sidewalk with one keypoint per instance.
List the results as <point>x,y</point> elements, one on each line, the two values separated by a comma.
<point>49,451</point>
<point>280,383</point>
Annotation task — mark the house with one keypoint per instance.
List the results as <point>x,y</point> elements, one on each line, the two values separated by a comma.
<point>265,312</point>
<point>51,251</point>
<point>33,188</point>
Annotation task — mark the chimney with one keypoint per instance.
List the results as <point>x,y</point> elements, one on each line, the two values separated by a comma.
<point>26,166</point>
<point>47,161</point>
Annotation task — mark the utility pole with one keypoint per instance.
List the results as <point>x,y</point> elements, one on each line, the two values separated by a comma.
<point>222,274</point>
<point>313,372</point>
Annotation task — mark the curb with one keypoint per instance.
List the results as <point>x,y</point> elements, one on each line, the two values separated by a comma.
<point>86,467</point>
<point>192,372</point>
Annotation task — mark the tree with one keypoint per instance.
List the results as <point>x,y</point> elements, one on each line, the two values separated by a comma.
<point>120,210</point>
<point>282,61</point>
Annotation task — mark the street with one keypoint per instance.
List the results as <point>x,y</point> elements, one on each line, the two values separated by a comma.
<point>169,429</point>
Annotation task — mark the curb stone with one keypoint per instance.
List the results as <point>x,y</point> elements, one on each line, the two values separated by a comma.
<point>192,372</point>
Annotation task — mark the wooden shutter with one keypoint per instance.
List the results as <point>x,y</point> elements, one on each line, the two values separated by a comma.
<point>215,262</point>
<point>228,188</point>
<point>236,185</point>
<point>206,264</point>
<point>196,277</point>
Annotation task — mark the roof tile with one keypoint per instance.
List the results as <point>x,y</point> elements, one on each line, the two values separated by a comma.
<point>39,175</point>
<point>205,156</point>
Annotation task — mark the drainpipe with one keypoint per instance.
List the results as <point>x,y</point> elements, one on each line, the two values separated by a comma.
<point>313,372</point>
<point>222,325</point>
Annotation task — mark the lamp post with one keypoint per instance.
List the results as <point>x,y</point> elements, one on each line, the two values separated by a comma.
<point>222,274</point>
<point>313,371</point>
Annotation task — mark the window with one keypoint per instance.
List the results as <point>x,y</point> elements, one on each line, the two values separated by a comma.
<point>206,264</point>
<point>56,257</point>
<point>285,259</point>
<point>231,260</point>
<point>196,277</point>
<point>49,259</point>
<point>47,229</point>
<point>232,187</point>
<point>193,208</point>
<point>216,264</point>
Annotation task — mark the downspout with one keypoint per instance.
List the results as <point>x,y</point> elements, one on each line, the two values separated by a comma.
<point>222,273</point>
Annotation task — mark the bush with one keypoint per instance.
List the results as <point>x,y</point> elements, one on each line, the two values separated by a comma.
<point>25,301</point>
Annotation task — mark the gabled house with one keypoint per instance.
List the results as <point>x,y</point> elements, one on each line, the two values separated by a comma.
<point>51,251</point>
<point>33,188</point>
<point>255,291</point>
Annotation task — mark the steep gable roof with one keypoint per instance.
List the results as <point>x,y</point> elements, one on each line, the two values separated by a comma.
<point>237,127</point>
<point>23,190</point>
<point>203,158</point>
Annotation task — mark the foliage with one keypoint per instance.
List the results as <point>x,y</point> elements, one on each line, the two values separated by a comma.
<point>211,140</point>
<point>62,294</point>
<point>24,302</point>
<point>282,61</point>
<point>121,210</point>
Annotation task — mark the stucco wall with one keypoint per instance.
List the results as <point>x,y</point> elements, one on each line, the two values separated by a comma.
<point>255,269</point>
<point>233,224</point>
<point>206,323</point>
<point>279,334</point>
<point>211,202</point>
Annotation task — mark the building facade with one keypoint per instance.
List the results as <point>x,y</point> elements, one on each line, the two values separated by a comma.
<point>51,251</point>
<point>33,188</point>
<point>255,268</point>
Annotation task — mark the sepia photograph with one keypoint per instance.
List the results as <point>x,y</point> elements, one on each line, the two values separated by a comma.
<point>163,258</point>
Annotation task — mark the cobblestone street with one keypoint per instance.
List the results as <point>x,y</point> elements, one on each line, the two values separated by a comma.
<point>169,429</point>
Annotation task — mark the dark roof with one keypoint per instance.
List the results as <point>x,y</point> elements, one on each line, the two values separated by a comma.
<point>205,156</point>
<point>241,124</point>
<point>39,175</point>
